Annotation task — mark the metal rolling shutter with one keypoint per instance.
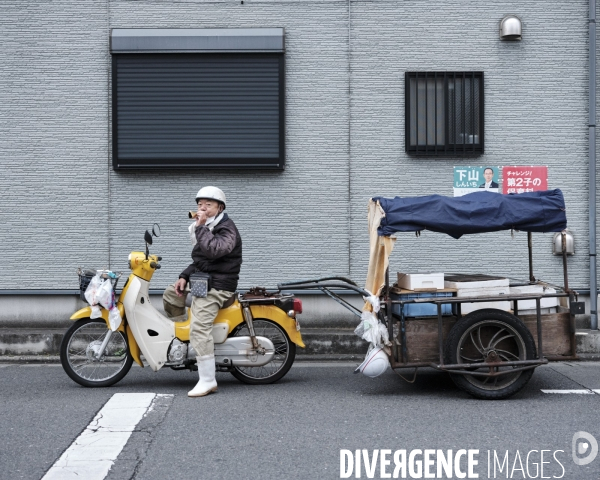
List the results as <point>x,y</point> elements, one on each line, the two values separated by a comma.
<point>217,109</point>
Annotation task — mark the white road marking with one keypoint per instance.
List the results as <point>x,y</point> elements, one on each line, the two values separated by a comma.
<point>578,392</point>
<point>94,452</point>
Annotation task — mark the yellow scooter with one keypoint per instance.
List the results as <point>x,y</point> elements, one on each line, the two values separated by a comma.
<point>255,334</point>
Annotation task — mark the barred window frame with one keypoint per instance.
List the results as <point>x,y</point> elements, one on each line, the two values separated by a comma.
<point>449,120</point>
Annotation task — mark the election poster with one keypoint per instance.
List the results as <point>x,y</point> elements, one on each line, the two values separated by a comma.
<point>476,179</point>
<point>520,179</point>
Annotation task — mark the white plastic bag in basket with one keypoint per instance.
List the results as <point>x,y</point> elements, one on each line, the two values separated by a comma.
<point>104,294</point>
<point>100,292</point>
<point>91,293</point>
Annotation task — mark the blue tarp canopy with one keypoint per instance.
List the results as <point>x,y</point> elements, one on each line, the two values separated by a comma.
<point>477,212</point>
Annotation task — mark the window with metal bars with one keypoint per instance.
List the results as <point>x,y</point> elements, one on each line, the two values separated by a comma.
<point>444,113</point>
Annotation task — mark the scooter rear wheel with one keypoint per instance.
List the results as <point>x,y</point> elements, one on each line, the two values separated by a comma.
<point>285,353</point>
<point>77,354</point>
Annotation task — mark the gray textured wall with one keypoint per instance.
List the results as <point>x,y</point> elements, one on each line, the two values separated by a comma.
<point>535,114</point>
<point>53,141</point>
<point>293,224</point>
<point>63,206</point>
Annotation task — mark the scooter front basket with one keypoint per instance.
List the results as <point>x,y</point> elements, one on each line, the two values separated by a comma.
<point>85,277</point>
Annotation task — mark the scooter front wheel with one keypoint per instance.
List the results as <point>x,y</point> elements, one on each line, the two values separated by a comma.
<point>78,354</point>
<point>285,353</point>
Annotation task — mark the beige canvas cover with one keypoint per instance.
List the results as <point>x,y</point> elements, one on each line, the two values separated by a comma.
<point>380,249</point>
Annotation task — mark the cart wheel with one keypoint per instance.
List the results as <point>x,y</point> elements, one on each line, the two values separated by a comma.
<point>490,334</point>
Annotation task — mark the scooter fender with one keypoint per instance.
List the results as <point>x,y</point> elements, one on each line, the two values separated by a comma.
<point>134,349</point>
<point>271,312</point>
<point>87,311</point>
<point>232,317</point>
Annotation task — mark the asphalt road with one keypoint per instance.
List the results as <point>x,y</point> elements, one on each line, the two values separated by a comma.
<point>296,428</point>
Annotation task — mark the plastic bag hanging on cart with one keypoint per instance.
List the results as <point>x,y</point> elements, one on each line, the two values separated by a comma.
<point>370,328</point>
<point>373,331</point>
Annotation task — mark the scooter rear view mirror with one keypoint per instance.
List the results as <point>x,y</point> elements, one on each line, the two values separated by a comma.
<point>156,230</point>
<point>148,237</point>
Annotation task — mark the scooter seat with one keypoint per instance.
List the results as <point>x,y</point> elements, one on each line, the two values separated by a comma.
<point>228,303</point>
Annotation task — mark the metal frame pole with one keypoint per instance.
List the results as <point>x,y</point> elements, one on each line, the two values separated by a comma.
<point>592,167</point>
<point>530,249</point>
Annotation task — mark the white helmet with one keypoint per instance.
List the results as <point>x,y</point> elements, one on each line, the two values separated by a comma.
<point>376,362</point>
<point>211,193</point>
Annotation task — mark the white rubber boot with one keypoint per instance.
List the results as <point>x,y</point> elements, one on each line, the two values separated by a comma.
<point>206,372</point>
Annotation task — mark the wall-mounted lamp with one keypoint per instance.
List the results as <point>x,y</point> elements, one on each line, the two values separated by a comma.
<point>510,28</point>
<point>557,244</point>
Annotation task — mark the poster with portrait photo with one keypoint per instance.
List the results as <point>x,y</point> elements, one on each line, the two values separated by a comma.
<point>476,179</point>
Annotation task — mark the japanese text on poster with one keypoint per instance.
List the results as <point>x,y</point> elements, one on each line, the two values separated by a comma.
<point>524,179</point>
<point>475,179</point>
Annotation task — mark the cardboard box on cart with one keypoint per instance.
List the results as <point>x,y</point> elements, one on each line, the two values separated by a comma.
<point>527,307</point>
<point>420,285</point>
<point>421,281</point>
<point>478,285</point>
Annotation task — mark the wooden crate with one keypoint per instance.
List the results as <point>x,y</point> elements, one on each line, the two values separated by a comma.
<point>556,332</point>
<point>422,335</point>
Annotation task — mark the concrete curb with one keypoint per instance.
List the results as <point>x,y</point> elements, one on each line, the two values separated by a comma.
<point>322,344</point>
<point>21,342</point>
<point>27,359</point>
<point>25,342</point>
<point>588,341</point>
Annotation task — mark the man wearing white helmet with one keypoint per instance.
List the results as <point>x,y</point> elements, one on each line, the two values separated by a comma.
<point>217,251</point>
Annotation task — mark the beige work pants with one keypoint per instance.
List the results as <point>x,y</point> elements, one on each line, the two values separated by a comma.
<point>174,305</point>
<point>204,312</point>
